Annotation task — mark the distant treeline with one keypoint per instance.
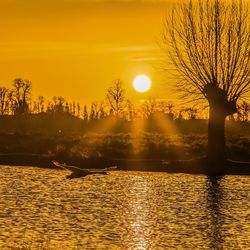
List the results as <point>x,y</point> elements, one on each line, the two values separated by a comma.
<point>65,123</point>
<point>18,101</point>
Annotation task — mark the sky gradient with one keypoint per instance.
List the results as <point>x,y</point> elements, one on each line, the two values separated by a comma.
<point>76,48</point>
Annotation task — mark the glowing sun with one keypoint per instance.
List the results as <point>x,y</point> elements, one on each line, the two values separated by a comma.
<point>142,83</point>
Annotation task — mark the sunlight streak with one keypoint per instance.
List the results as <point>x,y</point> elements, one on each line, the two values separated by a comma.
<point>168,128</point>
<point>166,125</point>
<point>137,131</point>
<point>105,125</point>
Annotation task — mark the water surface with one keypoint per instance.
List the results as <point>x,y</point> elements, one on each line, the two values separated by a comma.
<point>39,208</point>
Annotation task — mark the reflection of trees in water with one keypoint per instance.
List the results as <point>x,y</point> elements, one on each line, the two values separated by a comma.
<point>214,201</point>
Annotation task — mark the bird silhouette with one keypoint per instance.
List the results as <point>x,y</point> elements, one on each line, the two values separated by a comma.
<point>77,172</point>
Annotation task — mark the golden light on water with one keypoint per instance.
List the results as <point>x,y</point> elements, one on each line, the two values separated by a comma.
<point>142,83</point>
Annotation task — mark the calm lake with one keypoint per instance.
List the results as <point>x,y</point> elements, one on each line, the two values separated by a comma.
<point>40,209</point>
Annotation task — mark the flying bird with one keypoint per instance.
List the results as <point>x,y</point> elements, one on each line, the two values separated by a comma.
<point>79,172</point>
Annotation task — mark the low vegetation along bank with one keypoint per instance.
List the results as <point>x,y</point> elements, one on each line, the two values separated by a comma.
<point>40,149</point>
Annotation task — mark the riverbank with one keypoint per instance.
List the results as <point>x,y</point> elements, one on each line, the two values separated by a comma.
<point>148,165</point>
<point>144,152</point>
<point>155,146</point>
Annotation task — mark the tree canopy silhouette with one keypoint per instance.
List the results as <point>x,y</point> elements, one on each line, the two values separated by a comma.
<point>116,97</point>
<point>208,42</point>
<point>22,91</point>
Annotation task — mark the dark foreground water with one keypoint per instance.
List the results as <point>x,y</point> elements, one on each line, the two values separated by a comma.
<point>40,209</point>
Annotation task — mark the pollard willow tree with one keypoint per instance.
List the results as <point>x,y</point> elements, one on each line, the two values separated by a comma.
<point>208,42</point>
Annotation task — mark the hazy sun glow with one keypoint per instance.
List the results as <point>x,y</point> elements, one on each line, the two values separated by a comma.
<point>142,83</point>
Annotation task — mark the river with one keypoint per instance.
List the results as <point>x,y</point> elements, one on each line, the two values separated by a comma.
<point>41,209</point>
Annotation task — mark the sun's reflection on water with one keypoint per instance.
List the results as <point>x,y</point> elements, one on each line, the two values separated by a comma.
<point>144,216</point>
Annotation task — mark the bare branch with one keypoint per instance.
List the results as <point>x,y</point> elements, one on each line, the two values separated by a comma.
<point>208,42</point>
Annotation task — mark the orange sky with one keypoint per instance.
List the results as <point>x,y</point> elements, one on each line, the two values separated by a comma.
<point>76,48</point>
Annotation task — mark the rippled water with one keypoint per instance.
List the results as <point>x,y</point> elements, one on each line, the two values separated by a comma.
<point>40,209</point>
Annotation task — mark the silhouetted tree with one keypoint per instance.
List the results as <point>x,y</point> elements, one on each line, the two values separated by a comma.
<point>169,110</point>
<point>67,107</point>
<point>78,109</point>
<point>21,94</point>
<point>85,113</point>
<point>169,107</point>
<point>74,108</point>
<point>130,110</point>
<point>3,100</point>
<point>116,97</point>
<point>92,115</point>
<point>101,111</point>
<point>41,103</point>
<point>34,107</point>
<point>208,43</point>
<point>180,114</point>
<point>58,104</point>
<point>243,111</point>
<point>70,108</point>
<point>17,85</point>
<point>11,102</point>
<point>191,113</point>
<point>50,108</point>
<point>149,106</point>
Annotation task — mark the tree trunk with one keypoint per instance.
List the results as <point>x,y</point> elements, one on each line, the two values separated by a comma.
<point>216,136</point>
<point>220,108</point>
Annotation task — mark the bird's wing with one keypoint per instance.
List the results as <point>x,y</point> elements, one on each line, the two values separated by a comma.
<point>71,168</point>
<point>60,165</point>
<point>102,170</point>
<point>84,170</point>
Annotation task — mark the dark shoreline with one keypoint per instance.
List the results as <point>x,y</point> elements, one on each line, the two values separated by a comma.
<point>187,167</point>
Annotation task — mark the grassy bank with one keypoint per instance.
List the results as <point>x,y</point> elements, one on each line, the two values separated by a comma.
<point>72,148</point>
